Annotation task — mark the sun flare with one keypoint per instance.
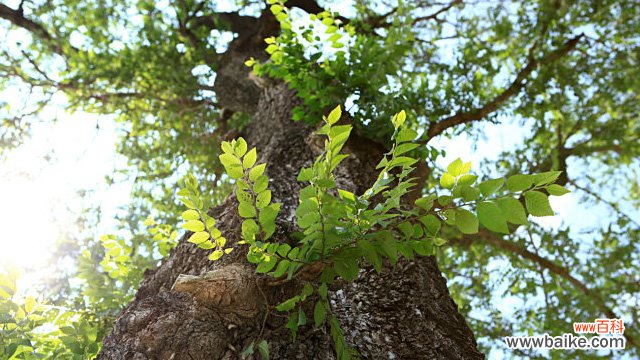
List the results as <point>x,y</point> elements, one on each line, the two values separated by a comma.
<point>28,225</point>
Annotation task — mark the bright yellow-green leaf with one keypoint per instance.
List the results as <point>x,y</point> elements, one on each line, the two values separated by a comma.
<point>455,167</point>
<point>334,115</point>
<point>399,119</point>
<point>193,225</point>
<point>199,237</point>
<point>447,181</point>
<point>249,159</point>
<point>241,147</point>
<point>215,255</point>
<point>190,215</point>
<point>256,171</point>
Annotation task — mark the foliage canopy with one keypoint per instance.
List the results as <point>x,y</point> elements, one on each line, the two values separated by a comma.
<point>564,73</point>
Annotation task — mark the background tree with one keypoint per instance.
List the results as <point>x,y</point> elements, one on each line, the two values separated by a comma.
<point>180,77</point>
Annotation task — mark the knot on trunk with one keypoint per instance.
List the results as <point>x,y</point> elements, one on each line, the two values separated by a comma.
<point>232,291</point>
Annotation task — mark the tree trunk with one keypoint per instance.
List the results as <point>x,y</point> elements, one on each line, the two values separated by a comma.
<point>405,312</point>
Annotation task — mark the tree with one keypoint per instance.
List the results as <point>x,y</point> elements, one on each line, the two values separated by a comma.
<point>185,78</point>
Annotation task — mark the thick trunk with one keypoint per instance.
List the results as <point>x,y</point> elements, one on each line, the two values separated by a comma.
<point>403,313</point>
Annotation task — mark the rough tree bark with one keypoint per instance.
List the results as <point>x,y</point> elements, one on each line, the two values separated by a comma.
<point>405,312</point>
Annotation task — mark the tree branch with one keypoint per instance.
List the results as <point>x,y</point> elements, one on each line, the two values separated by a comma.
<point>560,271</point>
<point>435,15</point>
<point>438,128</point>
<point>17,18</point>
<point>231,21</point>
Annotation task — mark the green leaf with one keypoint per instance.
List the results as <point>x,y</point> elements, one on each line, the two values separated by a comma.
<point>293,254</point>
<point>444,200</point>
<point>68,330</point>
<point>221,241</point>
<point>241,147</point>
<point>370,254</point>
<point>199,237</point>
<point>263,349</point>
<point>319,314</point>
<point>268,214</point>
<point>256,171</point>
<point>334,115</point>
<point>557,190</point>
<point>276,9</point>
<point>519,182</point>
<point>305,174</point>
<point>399,119</point>
<point>425,203</point>
<point>190,215</point>
<point>246,210</point>
<point>249,229</point>
<point>489,187</point>
<point>306,290</point>
<point>226,148</point>
<point>292,323</point>
<point>266,264</point>
<point>431,223</point>
<point>193,225</point>
<point>390,249</point>
<point>250,158</point>
<point>260,184</point>
<point>466,221</point>
<point>281,269</point>
<point>455,167</point>
<point>546,177</point>
<point>283,249</point>
<point>340,133</point>
<point>447,181</point>
<point>322,291</point>
<point>513,210</point>
<point>538,203</point>
<point>308,219</point>
<point>216,255</point>
<point>491,217</point>
<point>406,135</point>
<point>288,304</point>
<point>206,245</point>
<point>422,247</point>
<point>439,241</point>
<point>469,193</point>
<point>235,171</point>
<point>347,195</point>
<point>228,160</point>
<point>326,183</point>
<point>406,228</point>
<point>467,179</point>
<point>337,160</point>
<point>263,199</point>
<point>307,192</point>
<point>347,269</point>
<point>244,196</point>
<point>403,148</point>
<point>402,160</point>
